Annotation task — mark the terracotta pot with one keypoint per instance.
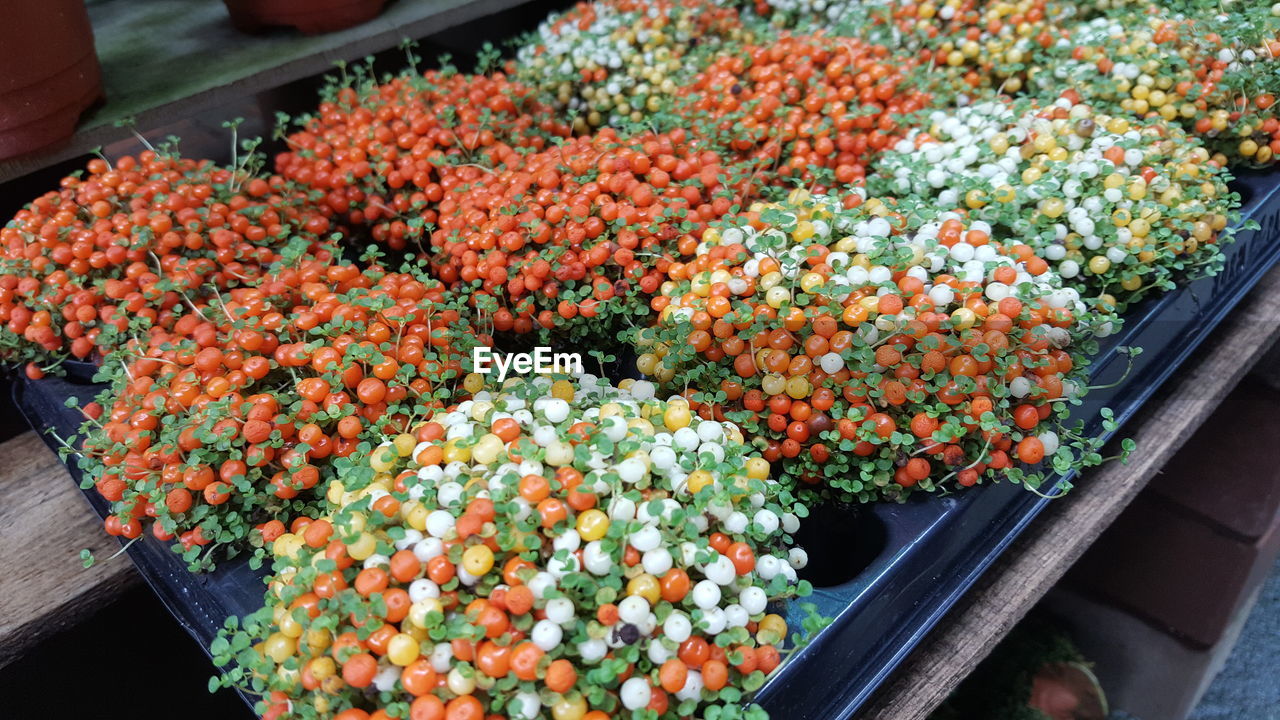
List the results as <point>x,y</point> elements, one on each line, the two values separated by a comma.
<point>49,72</point>
<point>309,16</point>
<point>1068,691</point>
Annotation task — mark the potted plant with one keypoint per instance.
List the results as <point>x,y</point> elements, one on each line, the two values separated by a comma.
<point>308,16</point>
<point>49,73</point>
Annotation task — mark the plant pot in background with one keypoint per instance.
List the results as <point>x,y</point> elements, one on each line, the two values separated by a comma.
<point>49,72</point>
<point>309,16</point>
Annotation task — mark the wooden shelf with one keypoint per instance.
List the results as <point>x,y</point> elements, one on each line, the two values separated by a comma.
<point>46,523</point>
<point>167,61</point>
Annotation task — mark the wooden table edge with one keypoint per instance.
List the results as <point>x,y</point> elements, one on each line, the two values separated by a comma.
<point>44,587</point>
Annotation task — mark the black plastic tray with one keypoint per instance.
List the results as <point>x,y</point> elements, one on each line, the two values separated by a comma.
<point>936,548</point>
<point>200,602</point>
<point>887,573</point>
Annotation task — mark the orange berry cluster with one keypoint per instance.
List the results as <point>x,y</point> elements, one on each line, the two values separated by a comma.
<point>231,418</point>
<point>874,349</point>
<point>579,229</point>
<point>147,237</point>
<point>806,109</point>
<point>385,154</point>
<point>542,233</point>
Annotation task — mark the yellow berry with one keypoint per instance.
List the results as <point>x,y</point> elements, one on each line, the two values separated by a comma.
<point>487,449</point>
<point>559,453</point>
<point>453,452</point>
<point>772,629</point>
<point>699,479</point>
<point>569,709</point>
<point>362,547</point>
<point>1053,207</point>
<point>279,647</point>
<point>798,387</point>
<point>460,684</point>
<point>403,649</point>
<point>287,545</point>
<point>318,640</point>
<point>322,667</point>
<point>646,363</point>
<point>773,384</point>
<point>382,459</point>
<point>562,389</point>
<point>592,524</point>
<point>418,611</point>
<point>289,626</point>
<point>404,444</point>
<point>335,492</point>
<point>777,296</point>
<point>646,586</point>
<point>963,318</point>
<point>811,282</point>
<point>477,560</point>
<point>676,417</point>
<point>416,516</point>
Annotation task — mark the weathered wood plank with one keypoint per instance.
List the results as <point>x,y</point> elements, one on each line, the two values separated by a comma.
<point>1055,540</point>
<point>44,523</point>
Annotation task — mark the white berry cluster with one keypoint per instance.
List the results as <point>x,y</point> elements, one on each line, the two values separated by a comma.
<point>614,62</point>
<point>1116,207</point>
<point>865,252</point>
<point>633,529</point>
